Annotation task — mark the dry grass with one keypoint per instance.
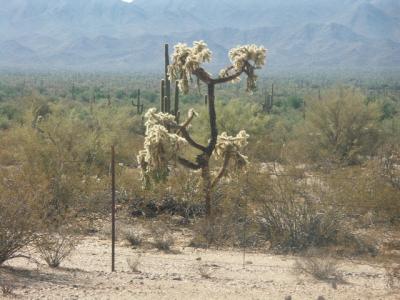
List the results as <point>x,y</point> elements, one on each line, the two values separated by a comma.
<point>134,263</point>
<point>393,276</point>
<point>205,271</point>
<point>7,288</point>
<point>162,238</point>
<point>132,237</point>
<point>322,268</point>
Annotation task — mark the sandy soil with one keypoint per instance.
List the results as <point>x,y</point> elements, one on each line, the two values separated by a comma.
<point>86,275</point>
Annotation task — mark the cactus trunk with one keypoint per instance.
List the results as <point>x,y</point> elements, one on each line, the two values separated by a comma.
<point>167,93</point>
<point>176,104</point>
<point>162,102</point>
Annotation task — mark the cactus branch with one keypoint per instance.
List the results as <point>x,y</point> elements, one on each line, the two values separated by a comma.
<point>222,170</point>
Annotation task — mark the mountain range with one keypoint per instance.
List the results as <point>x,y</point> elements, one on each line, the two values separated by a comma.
<point>113,35</point>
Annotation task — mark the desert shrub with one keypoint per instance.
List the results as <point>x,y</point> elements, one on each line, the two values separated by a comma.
<point>352,244</point>
<point>234,222</point>
<point>393,276</point>
<point>294,102</point>
<point>4,123</point>
<point>341,129</point>
<point>205,271</point>
<point>323,268</point>
<point>210,232</point>
<point>18,225</point>
<point>7,288</point>
<point>389,164</point>
<point>132,237</point>
<point>365,190</point>
<point>178,196</point>
<point>293,221</point>
<point>55,247</point>
<point>134,263</point>
<point>162,238</point>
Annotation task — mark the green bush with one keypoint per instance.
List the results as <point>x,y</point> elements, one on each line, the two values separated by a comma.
<point>340,129</point>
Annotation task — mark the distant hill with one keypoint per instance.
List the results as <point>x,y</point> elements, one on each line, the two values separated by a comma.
<point>113,35</point>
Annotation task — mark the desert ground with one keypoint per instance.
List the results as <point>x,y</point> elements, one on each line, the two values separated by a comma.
<point>187,273</point>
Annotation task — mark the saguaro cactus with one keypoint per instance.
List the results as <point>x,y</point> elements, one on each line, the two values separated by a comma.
<point>165,137</point>
<point>162,96</point>
<point>268,100</point>
<point>109,98</point>
<point>167,92</point>
<point>138,105</point>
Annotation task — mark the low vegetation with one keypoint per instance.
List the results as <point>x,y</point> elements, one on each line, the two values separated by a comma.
<point>54,248</point>
<point>162,237</point>
<point>320,267</point>
<point>134,263</point>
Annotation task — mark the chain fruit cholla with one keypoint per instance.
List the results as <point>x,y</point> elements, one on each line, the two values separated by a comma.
<point>166,139</point>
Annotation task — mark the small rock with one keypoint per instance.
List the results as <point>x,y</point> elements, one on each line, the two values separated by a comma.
<point>199,258</point>
<point>288,298</point>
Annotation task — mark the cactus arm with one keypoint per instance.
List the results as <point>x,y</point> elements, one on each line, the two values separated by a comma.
<point>188,164</point>
<point>222,170</point>
<point>189,139</point>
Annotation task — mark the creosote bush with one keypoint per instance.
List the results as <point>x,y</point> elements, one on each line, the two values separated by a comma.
<point>54,248</point>
<point>18,223</point>
<point>295,225</point>
<point>291,217</point>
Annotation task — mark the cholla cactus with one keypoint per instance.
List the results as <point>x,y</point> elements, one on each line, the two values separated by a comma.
<point>165,137</point>
<point>229,148</point>
<point>160,146</point>
<point>186,60</point>
<point>246,59</point>
<point>158,118</point>
<point>242,54</point>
